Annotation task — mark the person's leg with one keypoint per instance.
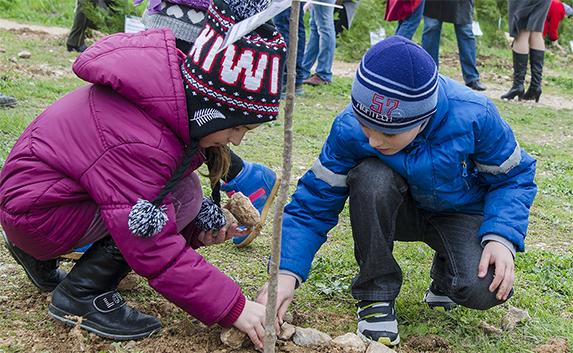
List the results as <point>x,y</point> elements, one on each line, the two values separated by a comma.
<point>381,211</point>
<point>256,181</point>
<point>77,34</point>
<point>520,54</point>
<point>281,22</point>
<point>300,72</point>
<point>311,49</point>
<point>458,253</point>
<point>467,52</point>
<point>431,37</point>
<point>408,26</point>
<point>324,19</point>
<point>536,59</point>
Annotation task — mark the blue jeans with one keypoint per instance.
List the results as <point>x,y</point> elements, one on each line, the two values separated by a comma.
<point>407,27</point>
<point>322,41</point>
<point>382,210</point>
<point>281,21</point>
<point>466,46</point>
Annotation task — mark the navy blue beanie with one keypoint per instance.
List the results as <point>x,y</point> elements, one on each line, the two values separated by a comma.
<point>396,86</point>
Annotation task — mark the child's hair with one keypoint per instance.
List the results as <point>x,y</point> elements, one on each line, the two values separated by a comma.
<point>218,163</point>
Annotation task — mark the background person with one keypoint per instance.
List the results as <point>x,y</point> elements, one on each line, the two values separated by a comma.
<point>557,12</point>
<point>408,13</point>
<point>526,21</point>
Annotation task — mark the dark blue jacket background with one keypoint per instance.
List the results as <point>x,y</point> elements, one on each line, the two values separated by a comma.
<point>466,160</point>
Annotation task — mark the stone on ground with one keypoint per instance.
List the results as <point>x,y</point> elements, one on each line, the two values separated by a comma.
<point>24,54</point>
<point>488,328</point>
<point>231,337</point>
<point>350,342</point>
<point>514,317</point>
<point>555,345</point>
<point>309,337</point>
<point>287,331</point>
<point>376,347</point>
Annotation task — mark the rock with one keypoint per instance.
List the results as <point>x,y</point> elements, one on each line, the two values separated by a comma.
<point>129,282</point>
<point>288,317</point>
<point>229,216</point>
<point>233,338</point>
<point>514,317</point>
<point>350,342</point>
<point>2,50</point>
<point>555,345</point>
<point>309,337</point>
<point>287,331</point>
<point>487,328</point>
<point>24,54</point>
<point>376,347</point>
<point>242,208</point>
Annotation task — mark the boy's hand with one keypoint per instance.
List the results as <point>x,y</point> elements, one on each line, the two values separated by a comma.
<point>285,295</point>
<point>212,237</point>
<point>497,254</point>
<point>252,322</point>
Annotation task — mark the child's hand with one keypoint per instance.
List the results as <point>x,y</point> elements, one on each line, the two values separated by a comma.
<point>285,295</point>
<point>213,237</point>
<point>497,254</point>
<point>252,322</point>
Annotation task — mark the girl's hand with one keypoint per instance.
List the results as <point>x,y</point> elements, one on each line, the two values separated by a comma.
<point>252,322</point>
<point>212,237</point>
<point>285,295</point>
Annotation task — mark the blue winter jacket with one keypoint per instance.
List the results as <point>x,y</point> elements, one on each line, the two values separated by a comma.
<point>466,160</point>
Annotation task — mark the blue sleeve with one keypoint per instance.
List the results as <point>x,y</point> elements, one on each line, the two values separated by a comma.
<point>508,172</point>
<point>319,198</point>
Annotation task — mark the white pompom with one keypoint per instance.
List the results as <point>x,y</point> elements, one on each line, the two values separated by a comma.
<point>146,219</point>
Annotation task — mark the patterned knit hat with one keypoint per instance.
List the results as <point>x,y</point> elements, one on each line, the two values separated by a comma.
<point>396,86</point>
<point>240,85</point>
<point>185,18</point>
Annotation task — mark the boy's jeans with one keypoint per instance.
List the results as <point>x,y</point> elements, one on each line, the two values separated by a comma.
<point>407,27</point>
<point>382,211</point>
<point>322,41</point>
<point>281,21</point>
<point>466,46</point>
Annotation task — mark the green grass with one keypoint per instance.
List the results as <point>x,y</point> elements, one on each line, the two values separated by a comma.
<point>544,274</point>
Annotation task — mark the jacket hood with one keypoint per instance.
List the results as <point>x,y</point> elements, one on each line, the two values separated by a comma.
<point>144,68</point>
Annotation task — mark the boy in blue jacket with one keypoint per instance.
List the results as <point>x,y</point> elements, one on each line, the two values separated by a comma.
<point>420,158</point>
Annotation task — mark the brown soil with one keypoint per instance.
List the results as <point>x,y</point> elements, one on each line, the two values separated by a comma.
<point>555,345</point>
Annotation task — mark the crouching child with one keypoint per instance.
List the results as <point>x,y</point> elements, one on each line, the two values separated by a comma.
<point>420,158</point>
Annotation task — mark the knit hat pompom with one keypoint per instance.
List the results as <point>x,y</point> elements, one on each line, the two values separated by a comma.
<point>396,86</point>
<point>239,85</point>
<point>147,219</point>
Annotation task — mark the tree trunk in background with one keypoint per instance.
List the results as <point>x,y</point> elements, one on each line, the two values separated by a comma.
<point>271,314</point>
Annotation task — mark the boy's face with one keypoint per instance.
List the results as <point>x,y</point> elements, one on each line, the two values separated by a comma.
<point>390,144</point>
<point>223,137</point>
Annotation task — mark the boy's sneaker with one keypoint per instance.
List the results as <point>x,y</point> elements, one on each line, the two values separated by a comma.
<point>438,300</point>
<point>260,184</point>
<point>377,322</point>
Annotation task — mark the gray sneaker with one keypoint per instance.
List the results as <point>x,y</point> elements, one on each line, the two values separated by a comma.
<point>377,322</point>
<point>438,301</point>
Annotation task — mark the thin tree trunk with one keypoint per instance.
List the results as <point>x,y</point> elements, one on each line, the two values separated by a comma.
<point>271,314</point>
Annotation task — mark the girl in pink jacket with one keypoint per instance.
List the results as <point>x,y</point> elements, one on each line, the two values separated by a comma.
<point>112,164</point>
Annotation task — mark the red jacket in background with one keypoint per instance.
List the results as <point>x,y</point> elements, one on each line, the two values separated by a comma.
<point>398,10</point>
<point>554,17</point>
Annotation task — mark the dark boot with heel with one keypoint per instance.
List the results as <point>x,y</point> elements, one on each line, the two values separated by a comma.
<point>89,291</point>
<point>536,58</point>
<point>45,275</point>
<point>519,71</point>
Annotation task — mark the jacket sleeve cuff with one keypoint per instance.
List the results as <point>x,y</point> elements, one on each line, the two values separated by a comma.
<point>235,312</point>
<point>493,237</point>
<point>289,273</point>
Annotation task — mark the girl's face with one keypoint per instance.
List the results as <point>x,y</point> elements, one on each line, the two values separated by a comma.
<point>232,135</point>
<point>390,144</point>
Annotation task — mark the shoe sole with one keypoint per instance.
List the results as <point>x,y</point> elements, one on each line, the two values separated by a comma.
<point>382,340</point>
<point>259,227</point>
<point>8,246</point>
<point>441,306</point>
<point>60,315</point>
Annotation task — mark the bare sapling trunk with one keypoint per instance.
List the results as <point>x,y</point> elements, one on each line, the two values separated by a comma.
<point>270,334</point>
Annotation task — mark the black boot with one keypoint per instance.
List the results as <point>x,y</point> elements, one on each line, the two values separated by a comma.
<point>44,274</point>
<point>536,61</point>
<point>519,71</point>
<point>89,291</point>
